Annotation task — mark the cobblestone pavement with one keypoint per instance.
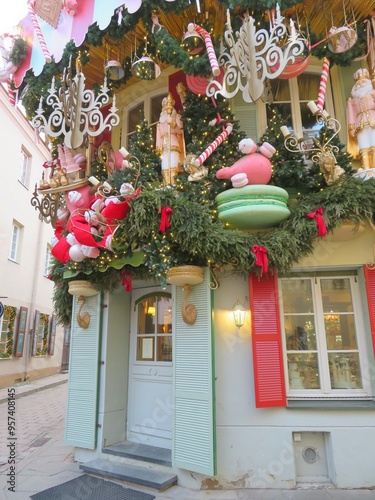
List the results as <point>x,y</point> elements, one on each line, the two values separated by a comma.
<point>42,460</point>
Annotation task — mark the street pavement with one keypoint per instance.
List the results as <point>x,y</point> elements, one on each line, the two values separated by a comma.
<point>42,460</point>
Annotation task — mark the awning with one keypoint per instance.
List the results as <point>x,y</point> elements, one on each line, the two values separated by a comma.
<point>70,27</point>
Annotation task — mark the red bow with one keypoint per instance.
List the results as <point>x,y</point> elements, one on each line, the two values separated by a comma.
<point>320,224</point>
<point>126,280</point>
<point>261,258</point>
<point>164,221</point>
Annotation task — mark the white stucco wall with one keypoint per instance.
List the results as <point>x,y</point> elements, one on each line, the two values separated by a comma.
<point>23,283</point>
<point>255,446</point>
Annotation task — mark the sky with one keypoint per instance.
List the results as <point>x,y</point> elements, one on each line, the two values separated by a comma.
<point>11,15</point>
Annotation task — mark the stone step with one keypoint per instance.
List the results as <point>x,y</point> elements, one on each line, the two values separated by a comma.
<point>131,473</point>
<point>139,451</point>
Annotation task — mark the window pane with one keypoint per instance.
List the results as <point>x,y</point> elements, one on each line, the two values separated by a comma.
<point>308,86</point>
<point>164,315</point>
<point>300,333</point>
<point>340,331</point>
<point>134,117</point>
<point>303,371</point>
<point>336,295</point>
<point>145,349</point>
<point>297,296</point>
<point>146,316</point>
<point>284,110</point>
<point>280,90</point>
<point>164,352</point>
<point>14,243</point>
<point>344,370</point>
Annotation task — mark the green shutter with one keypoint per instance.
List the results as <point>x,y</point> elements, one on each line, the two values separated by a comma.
<point>194,418</point>
<point>80,428</point>
<point>246,114</point>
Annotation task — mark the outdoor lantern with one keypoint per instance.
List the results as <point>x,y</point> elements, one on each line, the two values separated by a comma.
<point>239,313</point>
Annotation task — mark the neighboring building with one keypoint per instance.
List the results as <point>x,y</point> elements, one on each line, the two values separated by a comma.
<point>30,342</point>
<point>286,399</point>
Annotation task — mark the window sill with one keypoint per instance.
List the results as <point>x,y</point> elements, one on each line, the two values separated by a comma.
<point>331,404</point>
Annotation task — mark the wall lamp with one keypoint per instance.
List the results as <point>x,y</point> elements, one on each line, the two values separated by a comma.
<point>239,313</point>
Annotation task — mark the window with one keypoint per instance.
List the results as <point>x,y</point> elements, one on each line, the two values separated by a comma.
<point>41,330</point>
<point>323,350</point>
<point>6,331</point>
<point>16,241</point>
<point>47,260</point>
<point>154,335</point>
<point>150,108</point>
<point>290,98</point>
<point>24,168</point>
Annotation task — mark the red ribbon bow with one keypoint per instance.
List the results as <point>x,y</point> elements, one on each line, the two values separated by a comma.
<point>261,258</point>
<point>164,220</point>
<point>126,280</point>
<point>320,224</point>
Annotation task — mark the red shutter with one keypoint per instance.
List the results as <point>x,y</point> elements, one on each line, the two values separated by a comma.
<point>266,339</point>
<point>370,290</point>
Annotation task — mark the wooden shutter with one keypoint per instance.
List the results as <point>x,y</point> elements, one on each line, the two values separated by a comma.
<point>21,332</point>
<point>247,116</point>
<point>81,415</point>
<point>194,419</point>
<point>370,290</point>
<point>52,335</point>
<point>266,340</point>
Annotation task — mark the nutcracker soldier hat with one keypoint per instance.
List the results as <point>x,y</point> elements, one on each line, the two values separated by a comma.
<point>361,74</point>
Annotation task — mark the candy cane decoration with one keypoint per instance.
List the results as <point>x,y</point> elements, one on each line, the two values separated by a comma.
<point>38,31</point>
<point>209,46</point>
<point>323,84</point>
<point>214,145</point>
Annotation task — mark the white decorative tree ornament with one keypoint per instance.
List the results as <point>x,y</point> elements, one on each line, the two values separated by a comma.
<point>253,55</point>
<point>76,111</point>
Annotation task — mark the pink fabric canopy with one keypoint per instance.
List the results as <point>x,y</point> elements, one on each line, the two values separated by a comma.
<point>70,27</point>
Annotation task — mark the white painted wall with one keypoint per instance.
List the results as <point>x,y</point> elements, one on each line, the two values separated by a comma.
<point>255,446</point>
<point>23,283</point>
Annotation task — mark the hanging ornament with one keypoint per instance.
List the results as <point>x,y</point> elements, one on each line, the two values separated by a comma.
<point>146,68</point>
<point>194,28</point>
<point>341,39</point>
<point>192,42</point>
<point>114,70</point>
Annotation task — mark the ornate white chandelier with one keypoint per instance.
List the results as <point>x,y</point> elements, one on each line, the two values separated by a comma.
<point>76,111</point>
<point>253,55</point>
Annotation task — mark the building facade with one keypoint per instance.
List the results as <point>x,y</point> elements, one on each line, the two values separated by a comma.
<point>31,342</point>
<point>275,403</point>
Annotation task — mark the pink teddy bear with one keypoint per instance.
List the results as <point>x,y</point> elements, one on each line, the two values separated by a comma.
<point>253,168</point>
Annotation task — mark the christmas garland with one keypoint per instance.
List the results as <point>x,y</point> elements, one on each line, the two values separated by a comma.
<point>10,316</point>
<point>195,238</point>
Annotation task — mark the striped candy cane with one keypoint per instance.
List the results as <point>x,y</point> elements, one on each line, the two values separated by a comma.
<point>38,31</point>
<point>209,46</point>
<point>214,145</point>
<point>11,93</point>
<point>323,84</point>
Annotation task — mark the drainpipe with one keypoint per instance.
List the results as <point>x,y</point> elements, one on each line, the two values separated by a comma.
<point>27,347</point>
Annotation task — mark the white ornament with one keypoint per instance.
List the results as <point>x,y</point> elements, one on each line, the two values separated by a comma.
<point>75,253</point>
<point>253,55</point>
